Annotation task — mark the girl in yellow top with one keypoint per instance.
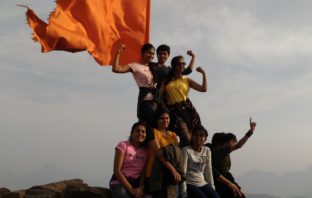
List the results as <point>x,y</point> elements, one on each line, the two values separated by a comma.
<point>163,138</point>
<point>182,112</point>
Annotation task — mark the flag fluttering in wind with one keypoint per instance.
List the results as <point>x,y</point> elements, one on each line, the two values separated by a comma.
<point>98,26</point>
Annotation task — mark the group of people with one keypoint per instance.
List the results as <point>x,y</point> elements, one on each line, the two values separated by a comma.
<point>166,155</point>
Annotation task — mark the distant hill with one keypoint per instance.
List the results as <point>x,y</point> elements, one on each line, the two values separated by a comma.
<point>295,184</point>
<point>260,196</point>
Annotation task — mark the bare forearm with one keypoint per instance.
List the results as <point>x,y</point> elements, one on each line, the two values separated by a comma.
<point>243,140</point>
<point>122,179</point>
<point>191,64</point>
<point>117,68</point>
<point>204,83</point>
<point>224,180</point>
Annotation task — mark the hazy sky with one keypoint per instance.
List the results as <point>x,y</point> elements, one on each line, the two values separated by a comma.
<point>64,109</point>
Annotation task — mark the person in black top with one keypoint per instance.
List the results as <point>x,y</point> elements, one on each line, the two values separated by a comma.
<point>222,145</point>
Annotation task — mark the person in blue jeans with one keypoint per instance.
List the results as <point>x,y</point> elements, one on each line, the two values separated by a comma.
<point>197,168</point>
<point>129,164</point>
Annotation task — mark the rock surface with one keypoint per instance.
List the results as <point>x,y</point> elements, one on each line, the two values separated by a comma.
<point>74,188</point>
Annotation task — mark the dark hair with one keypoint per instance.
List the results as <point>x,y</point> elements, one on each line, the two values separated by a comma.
<point>146,47</point>
<point>135,125</point>
<point>163,47</point>
<point>159,112</point>
<point>199,129</point>
<point>174,64</point>
<point>228,137</point>
<point>217,138</point>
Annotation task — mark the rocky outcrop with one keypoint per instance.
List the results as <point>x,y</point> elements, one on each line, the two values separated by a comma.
<point>4,191</point>
<point>74,188</point>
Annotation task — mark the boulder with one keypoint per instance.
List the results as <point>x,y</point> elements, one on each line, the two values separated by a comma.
<point>15,194</point>
<point>84,191</point>
<point>4,191</point>
<point>74,188</point>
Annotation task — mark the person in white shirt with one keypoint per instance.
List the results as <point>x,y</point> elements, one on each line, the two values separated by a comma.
<point>197,168</point>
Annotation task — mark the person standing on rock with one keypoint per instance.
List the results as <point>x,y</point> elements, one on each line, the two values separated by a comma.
<point>182,112</point>
<point>144,79</point>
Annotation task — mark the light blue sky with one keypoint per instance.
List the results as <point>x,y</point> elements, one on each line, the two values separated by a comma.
<point>64,109</point>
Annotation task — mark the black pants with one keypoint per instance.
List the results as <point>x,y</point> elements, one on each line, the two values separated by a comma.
<point>146,111</point>
<point>224,190</point>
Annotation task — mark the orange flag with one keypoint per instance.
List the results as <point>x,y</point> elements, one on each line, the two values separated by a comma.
<point>97,26</point>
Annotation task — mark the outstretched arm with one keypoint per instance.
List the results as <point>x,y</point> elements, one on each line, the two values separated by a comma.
<point>117,68</point>
<point>244,139</point>
<point>190,67</point>
<point>195,85</point>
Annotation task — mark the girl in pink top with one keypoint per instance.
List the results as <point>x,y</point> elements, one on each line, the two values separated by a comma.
<point>129,164</point>
<point>144,79</point>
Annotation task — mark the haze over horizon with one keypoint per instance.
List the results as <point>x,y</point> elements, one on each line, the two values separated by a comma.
<point>64,109</point>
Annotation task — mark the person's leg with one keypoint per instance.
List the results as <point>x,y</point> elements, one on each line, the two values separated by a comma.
<point>184,134</point>
<point>157,194</point>
<point>224,190</point>
<point>146,111</point>
<point>194,192</point>
<point>190,115</point>
<point>118,191</point>
<point>172,191</point>
<point>209,191</point>
<point>179,126</point>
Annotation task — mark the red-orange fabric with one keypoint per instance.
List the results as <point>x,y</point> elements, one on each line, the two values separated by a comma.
<point>98,26</point>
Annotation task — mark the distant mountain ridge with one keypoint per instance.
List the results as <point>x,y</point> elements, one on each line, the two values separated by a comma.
<point>295,184</point>
<point>256,184</point>
<point>260,196</point>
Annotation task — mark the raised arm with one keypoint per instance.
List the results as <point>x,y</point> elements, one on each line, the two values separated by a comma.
<point>190,67</point>
<point>195,85</point>
<point>244,139</point>
<point>117,68</point>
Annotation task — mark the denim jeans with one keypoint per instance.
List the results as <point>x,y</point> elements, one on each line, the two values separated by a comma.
<point>118,191</point>
<point>205,191</point>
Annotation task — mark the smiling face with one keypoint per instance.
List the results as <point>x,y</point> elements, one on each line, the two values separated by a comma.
<point>138,135</point>
<point>199,138</point>
<point>162,57</point>
<point>178,65</point>
<point>148,55</point>
<point>163,121</point>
